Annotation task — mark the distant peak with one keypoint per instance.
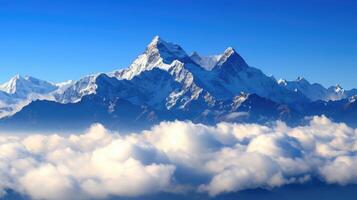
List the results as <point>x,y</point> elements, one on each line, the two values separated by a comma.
<point>230,58</point>
<point>10,86</point>
<point>157,39</point>
<point>300,78</point>
<point>229,51</point>
<point>206,62</point>
<point>352,99</point>
<point>282,82</point>
<point>16,77</point>
<point>339,88</point>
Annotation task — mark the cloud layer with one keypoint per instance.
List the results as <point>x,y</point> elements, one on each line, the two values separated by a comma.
<point>177,157</point>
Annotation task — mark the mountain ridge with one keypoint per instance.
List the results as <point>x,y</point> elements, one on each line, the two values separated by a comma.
<point>165,79</point>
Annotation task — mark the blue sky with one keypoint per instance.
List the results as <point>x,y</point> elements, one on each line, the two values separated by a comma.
<point>60,40</point>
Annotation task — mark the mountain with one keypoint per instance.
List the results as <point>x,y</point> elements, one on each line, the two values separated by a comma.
<point>22,87</point>
<point>158,54</point>
<point>119,104</point>
<point>73,91</point>
<point>207,62</point>
<point>315,91</point>
<point>165,83</point>
<point>229,76</point>
<point>344,110</point>
<point>20,91</point>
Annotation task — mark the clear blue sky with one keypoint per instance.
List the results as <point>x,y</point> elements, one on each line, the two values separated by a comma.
<point>60,40</point>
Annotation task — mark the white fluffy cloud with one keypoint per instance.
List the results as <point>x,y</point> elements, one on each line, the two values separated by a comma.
<point>168,157</point>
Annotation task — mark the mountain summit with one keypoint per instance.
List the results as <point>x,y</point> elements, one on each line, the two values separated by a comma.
<point>24,86</point>
<point>232,60</point>
<point>158,53</point>
<point>229,59</point>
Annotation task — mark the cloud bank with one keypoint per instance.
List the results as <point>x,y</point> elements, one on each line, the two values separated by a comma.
<point>177,157</point>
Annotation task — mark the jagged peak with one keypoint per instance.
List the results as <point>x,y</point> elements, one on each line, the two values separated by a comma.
<point>338,86</point>
<point>206,62</point>
<point>282,82</point>
<point>229,51</point>
<point>231,58</point>
<point>195,54</point>
<point>158,54</point>
<point>26,85</point>
<point>352,99</point>
<point>158,45</point>
<point>10,86</point>
<point>157,39</point>
<point>16,77</point>
<point>339,89</point>
<point>301,79</point>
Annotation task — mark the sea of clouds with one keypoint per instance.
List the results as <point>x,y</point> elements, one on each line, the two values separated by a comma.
<point>177,157</point>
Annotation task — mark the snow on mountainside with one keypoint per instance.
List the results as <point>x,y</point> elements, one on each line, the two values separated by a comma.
<point>207,62</point>
<point>24,86</point>
<point>232,75</point>
<point>73,91</point>
<point>20,91</point>
<point>220,77</point>
<point>316,91</point>
<point>165,83</point>
<point>159,53</point>
<point>232,60</point>
<point>225,76</point>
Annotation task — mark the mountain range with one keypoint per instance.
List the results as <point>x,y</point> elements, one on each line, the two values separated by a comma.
<point>166,83</point>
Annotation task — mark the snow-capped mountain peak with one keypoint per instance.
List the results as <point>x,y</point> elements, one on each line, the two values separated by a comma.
<point>226,55</point>
<point>352,99</point>
<point>229,51</point>
<point>228,59</point>
<point>20,91</point>
<point>206,62</point>
<point>282,82</point>
<point>23,86</point>
<point>165,83</point>
<point>232,60</point>
<point>70,91</point>
<point>302,80</point>
<point>165,50</point>
<point>10,86</point>
<point>315,91</point>
<point>158,53</point>
<point>339,89</point>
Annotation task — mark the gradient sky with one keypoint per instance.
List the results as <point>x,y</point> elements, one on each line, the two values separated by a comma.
<point>60,40</point>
